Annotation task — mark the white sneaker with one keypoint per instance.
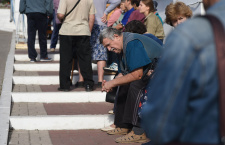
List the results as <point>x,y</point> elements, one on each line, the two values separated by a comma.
<point>112,67</point>
<point>107,128</point>
<point>111,112</point>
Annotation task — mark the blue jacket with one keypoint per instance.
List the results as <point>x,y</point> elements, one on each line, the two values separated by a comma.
<point>36,6</point>
<point>183,94</point>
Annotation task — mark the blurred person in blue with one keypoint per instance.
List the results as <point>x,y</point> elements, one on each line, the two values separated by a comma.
<point>182,105</point>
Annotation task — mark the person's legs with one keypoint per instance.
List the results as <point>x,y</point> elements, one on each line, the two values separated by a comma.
<point>132,102</point>
<point>120,107</point>
<point>41,21</point>
<point>55,33</point>
<point>83,51</point>
<point>32,53</point>
<point>99,52</point>
<point>100,65</point>
<point>66,57</point>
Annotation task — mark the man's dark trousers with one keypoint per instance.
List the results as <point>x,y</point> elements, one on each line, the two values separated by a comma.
<point>37,21</point>
<point>127,104</point>
<point>80,46</point>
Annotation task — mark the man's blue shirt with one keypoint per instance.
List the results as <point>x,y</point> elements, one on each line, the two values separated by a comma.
<point>136,55</point>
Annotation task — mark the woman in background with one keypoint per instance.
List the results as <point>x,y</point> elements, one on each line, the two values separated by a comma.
<point>177,13</point>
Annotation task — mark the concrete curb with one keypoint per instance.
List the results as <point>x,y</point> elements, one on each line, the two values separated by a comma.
<point>5,100</point>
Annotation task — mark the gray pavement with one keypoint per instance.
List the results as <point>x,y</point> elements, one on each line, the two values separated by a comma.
<point>5,42</point>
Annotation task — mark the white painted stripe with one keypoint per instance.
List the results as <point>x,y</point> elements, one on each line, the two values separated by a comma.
<point>42,67</point>
<point>48,46</point>
<point>63,122</point>
<point>59,97</point>
<point>24,57</point>
<point>49,80</point>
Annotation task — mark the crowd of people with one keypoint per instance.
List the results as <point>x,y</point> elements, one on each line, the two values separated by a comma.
<point>167,90</point>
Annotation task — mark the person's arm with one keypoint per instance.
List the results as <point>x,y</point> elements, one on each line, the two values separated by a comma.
<point>61,10</point>
<point>119,26</point>
<point>91,21</point>
<point>22,8</point>
<point>60,17</point>
<point>130,77</point>
<point>112,6</point>
<point>114,17</point>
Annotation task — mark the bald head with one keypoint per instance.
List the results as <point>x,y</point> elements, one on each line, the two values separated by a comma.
<point>209,3</point>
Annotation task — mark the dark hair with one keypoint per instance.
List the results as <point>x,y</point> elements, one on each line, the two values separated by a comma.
<point>136,2</point>
<point>135,26</point>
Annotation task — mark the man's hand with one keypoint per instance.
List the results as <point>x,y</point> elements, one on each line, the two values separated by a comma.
<point>119,26</point>
<point>104,18</point>
<point>107,86</point>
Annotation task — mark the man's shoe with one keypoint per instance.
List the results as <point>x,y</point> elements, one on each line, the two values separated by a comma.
<point>64,90</point>
<point>79,85</point>
<point>132,138</point>
<point>33,60</point>
<point>46,59</point>
<point>118,131</point>
<point>89,88</point>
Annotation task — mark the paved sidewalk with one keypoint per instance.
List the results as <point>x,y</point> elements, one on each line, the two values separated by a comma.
<point>5,41</point>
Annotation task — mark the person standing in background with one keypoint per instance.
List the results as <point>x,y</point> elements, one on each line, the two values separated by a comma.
<point>75,35</point>
<point>99,52</point>
<point>56,26</point>
<point>37,13</point>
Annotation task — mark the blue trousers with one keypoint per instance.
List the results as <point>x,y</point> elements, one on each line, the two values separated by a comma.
<point>55,33</point>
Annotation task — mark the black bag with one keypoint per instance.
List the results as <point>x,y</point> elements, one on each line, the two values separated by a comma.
<point>110,96</point>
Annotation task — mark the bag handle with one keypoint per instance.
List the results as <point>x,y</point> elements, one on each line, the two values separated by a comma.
<point>219,35</point>
<point>72,9</point>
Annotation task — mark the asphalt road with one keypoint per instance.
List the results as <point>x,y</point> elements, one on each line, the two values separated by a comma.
<point>5,41</point>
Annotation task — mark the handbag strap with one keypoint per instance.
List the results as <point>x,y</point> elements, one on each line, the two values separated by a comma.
<point>72,9</point>
<point>219,35</point>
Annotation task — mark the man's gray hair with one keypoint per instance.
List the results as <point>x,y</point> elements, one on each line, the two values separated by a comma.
<point>109,33</point>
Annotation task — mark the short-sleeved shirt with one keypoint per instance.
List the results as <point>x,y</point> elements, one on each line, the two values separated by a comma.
<point>77,22</point>
<point>136,55</point>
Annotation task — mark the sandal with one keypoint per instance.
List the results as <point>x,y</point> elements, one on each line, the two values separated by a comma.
<point>132,138</point>
<point>118,131</point>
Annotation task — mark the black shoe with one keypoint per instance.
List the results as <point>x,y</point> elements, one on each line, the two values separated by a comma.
<point>65,90</point>
<point>89,88</point>
<point>79,85</point>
